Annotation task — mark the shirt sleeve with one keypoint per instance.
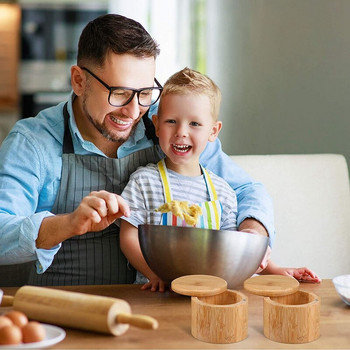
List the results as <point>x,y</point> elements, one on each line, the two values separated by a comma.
<point>253,198</point>
<point>133,195</point>
<point>20,182</point>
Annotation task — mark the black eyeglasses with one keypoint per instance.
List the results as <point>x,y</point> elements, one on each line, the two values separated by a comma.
<point>120,96</point>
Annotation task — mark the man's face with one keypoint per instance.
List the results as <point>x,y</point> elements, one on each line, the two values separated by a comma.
<point>115,123</point>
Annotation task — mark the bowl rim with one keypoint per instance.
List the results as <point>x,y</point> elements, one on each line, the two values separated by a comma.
<point>164,227</point>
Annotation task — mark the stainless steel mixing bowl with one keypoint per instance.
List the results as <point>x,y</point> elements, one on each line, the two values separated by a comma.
<point>172,252</point>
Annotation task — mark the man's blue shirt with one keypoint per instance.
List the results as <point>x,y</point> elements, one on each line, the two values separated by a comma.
<point>30,173</point>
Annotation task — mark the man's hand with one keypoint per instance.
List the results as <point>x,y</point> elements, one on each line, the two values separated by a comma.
<point>96,212</point>
<point>302,274</point>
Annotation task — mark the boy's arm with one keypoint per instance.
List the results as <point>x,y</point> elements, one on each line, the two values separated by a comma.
<point>130,246</point>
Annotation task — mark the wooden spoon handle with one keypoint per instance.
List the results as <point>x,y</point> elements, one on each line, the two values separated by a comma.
<point>140,321</point>
<point>7,300</point>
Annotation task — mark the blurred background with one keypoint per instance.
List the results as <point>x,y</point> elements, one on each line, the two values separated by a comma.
<point>283,66</point>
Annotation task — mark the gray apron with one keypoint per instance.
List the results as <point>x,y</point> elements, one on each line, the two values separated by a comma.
<point>95,257</point>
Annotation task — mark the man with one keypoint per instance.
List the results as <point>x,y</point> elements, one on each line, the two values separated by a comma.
<point>61,171</point>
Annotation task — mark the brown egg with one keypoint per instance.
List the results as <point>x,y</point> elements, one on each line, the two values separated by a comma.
<point>33,332</point>
<point>10,335</point>
<point>5,321</point>
<point>17,317</point>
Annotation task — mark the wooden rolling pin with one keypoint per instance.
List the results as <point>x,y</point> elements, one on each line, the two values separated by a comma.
<point>77,310</point>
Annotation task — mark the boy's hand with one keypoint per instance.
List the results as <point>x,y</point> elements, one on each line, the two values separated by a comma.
<point>154,284</point>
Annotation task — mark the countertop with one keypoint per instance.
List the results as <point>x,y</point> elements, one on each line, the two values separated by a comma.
<point>173,313</point>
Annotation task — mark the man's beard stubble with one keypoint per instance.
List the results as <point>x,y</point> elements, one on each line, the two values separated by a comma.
<point>102,129</point>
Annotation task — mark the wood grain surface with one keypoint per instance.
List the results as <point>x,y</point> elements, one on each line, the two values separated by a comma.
<point>173,312</point>
<point>199,285</point>
<point>271,285</point>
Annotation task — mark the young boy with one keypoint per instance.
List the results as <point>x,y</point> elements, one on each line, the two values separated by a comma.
<point>187,119</point>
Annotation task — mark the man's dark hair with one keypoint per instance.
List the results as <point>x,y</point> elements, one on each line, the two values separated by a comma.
<point>117,34</point>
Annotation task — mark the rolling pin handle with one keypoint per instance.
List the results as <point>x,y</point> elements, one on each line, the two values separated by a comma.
<point>7,300</point>
<point>140,321</point>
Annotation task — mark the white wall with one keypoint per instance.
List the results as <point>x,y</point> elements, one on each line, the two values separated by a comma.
<point>284,70</point>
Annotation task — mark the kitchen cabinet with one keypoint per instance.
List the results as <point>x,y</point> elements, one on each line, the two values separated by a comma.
<point>10,16</point>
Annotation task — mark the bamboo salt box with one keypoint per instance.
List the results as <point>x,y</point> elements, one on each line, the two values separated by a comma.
<point>290,315</point>
<point>218,315</point>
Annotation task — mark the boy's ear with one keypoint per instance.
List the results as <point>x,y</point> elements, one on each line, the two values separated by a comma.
<point>215,131</point>
<point>78,80</point>
<point>155,123</point>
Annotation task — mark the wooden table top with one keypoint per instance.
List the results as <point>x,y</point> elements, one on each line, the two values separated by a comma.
<point>173,312</point>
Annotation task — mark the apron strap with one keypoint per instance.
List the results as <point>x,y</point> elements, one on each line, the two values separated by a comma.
<point>68,142</point>
<point>165,180</point>
<point>213,198</point>
<point>209,183</point>
<point>67,139</point>
<point>150,129</point>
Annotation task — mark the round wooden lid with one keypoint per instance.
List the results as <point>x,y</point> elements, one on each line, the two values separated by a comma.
<point>199,285</point>
<point>271,285</point>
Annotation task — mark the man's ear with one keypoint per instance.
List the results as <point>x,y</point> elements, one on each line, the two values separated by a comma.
<point>155,123</point>
<point>78,80</point>
<point>215,131</point>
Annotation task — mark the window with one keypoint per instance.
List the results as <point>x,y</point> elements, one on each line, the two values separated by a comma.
<point>177,25</point>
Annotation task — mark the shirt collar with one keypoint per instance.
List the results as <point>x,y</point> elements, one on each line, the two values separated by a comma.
<point>137,135</point>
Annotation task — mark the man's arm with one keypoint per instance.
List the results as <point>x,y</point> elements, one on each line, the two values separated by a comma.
<point>255,209</point>
<point>29,231</point>
<point>20,182</point>
<point>96,211</point>
<point>252,225</point>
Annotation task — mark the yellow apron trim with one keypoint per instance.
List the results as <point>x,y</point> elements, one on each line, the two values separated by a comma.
<point>216,213</point>
<point>215,196</point>
<point>210,222</point>
<point>162,171</point>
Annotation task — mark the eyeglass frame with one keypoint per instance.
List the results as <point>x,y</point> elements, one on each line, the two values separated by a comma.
<point>134,91</point>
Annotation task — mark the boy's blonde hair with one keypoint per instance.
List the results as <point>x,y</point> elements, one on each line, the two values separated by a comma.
<point>190,81</point>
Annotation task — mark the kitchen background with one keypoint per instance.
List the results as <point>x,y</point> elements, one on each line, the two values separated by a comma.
<point>283,66</point>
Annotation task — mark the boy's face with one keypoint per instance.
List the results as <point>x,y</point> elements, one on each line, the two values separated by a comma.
<point>184,125</point>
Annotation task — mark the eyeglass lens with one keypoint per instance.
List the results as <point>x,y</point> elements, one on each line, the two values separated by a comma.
<point>122,96</point>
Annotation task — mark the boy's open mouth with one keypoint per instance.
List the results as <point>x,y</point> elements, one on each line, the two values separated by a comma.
<point>181,148</point>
